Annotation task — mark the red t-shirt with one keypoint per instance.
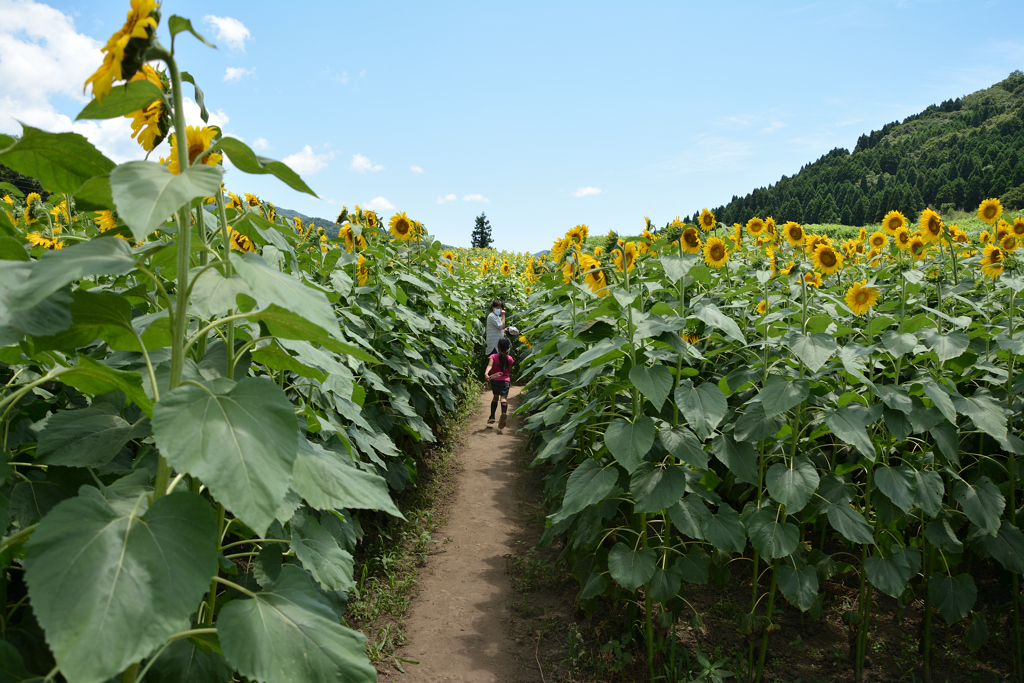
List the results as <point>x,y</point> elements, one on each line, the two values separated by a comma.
<point>495,368</point>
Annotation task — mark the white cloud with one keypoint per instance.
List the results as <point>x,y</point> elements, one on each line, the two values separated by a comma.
<point>307,161</point>
<point>584,191</point>
<point>343,78</point>
<point>260,144</point>
<point>363,164</point>
<point>229,30</point>
<point>475,198</point>
<point>362,74</point>
<point>447,198</point>
<point>773,126</point>
<point>379,204</point>
<point>416,169</point>
<point>236,73</point>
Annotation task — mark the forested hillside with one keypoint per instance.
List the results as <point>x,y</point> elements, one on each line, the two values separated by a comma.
<point>950,156</point>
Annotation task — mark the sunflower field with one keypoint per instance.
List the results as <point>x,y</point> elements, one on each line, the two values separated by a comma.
<point>199,397</point>
<point>763,402</point>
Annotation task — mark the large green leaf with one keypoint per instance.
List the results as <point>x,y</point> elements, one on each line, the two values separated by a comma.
<point>897,483</point>
<point>286,635</point>
<point>631,568</point>
<point>690,515</point>
<point>655,488</point>
<point>246,161</point>
<point>694,565</point>
<point>654,383</point>
<point>946,345</point>
<point>898,344</point>
<point>848,424</point>
<point>320,554</point>
<point>147,193</point>
<point>274,287</point>
<point>629,442</point>
<point>712,316</point>
<point>61,162</point>
<point>724,530</point>
<point>895,397</point>
<point>240,439</point>
<point>739,456</point>
<point>754,426</point>
<point>986,412</point>
<point>94,378</point>
<point>587,485</point>
<point>56,269</point>
<point>953,596</point>
<point>214,295</point>
<point>799,585</point>
<point>770,537</point>
<point>681,442</point>
<point>186,662</point>
<point>1007,546</point>
<point>703,406</point>
<point>121,100</point>
<point>940,397</point>
<point>813,350</point>
<point>109,587</point>
<point>850,523</point>
<point>891,574</point>
<point>665,583</point>
<point>982,503</point>
<point>326,483</point>
<point>779,394</point>
<point>101,315</point>
<point>287,325</point>
<point>793,484</point>
<point>89,437</point>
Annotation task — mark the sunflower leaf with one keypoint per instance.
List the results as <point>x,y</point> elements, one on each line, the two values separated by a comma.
<point>247,161</point>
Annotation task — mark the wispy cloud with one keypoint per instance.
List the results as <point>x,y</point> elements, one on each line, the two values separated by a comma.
<point>260,144</point>
<point>584,191</point>
<point>475,198</point>
<point>416,169</point>
<point>447,198</point>
<point>379,204</point>
<point>363,164</point>
<point>773,126</point>
<point>307,161</point>
<point>230,31</point>
<point>234,73</point>
<point>708,153</point>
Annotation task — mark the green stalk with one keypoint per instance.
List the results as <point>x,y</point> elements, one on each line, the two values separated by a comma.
<point>926,642</point>
<point>229,345</point>
<point>1018,664</point>
<point>768,619</point>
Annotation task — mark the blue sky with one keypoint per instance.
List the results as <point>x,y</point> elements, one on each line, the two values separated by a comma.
<point>542,115</point>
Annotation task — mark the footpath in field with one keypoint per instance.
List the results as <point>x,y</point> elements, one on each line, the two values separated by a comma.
<point>457,627</point>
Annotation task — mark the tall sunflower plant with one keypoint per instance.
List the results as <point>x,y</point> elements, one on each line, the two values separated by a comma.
<point>199,397</point>
<point>803,406</point>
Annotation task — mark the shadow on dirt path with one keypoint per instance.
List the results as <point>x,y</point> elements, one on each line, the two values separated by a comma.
<point>458,624</point>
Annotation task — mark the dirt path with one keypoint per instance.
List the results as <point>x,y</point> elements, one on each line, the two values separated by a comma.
<point>457,626</point>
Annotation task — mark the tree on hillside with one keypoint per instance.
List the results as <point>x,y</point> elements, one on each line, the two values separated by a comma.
<point>482,232</point>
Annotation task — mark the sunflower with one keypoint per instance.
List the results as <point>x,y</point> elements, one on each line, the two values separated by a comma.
<point>861,298</point>
<point>8,199</point>
<point>38,240</point>
<point>769,225</point>
<point>770,256</point>
<point>707,220</point>
<point>762,307</point>
<point>755,226</point>
<point>240,242</point>
<point>930,226</point>
<point>958,234</point>
<point>578,234</point>
<point>992,262</point>
<point>737,235</point>
<point>1008,243</point>
<point>597,282</point>
<point>151,123</point>
<point>625,259</point>
<point>644,247</point>
<point>236,201</point>
<point>1002,230</point>
<point>893,221</point>
<point>401,227</point>
<point>812,278</point>
<point>371,218</point>
<point>715,253</point>
<point>364,270</point>
<point>902,238</point>
<point>141,23</point>
<point>568,270</point>
<point>483,267</point>
<point>198,140</point>
<point>598,251</point>
<point>505,267</point>
<point>1018,227</point>
<point>524,340</point>
<point>690,338</point>
<point>862,234</point>
<point>990,210</point>
<point>794,233</point>
<point>826,259</point>
<point>878,240</point>
<point>690,241</point>
<point>918,247</point>
<point>811,243</point>
<point>528,290</point>
<point>105,220</point>
<point>32,198</point>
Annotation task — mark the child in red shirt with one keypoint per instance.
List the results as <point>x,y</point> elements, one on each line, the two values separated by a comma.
<point>497,373</point>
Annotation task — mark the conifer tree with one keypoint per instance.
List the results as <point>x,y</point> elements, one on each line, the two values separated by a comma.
<point>481,236</point>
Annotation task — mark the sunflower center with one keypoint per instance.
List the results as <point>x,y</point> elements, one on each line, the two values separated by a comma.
<point>933,225</point>
<point>997,255</point>
<point>717,252</point>
<point>828,258</point>
<point>690,237</point>
<point>894,223</point>
<point>990,212</point>
<point>194,150</point>
<point>861,296</point>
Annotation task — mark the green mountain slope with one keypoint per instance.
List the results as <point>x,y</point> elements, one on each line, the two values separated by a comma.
<point>950,156</point>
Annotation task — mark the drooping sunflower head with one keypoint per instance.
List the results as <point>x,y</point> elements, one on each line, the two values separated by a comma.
<point>826,259</point>
<point>364,270</point>
<point>715,252</point>
<point>197,139</point>
<point>930,226</point>
<point>578,234</point>
<point>690,241</point>
<point>125,51</point>
<point>992,261</point>
<point>861,298</point>
<point>1003,229</point>
<point>105,220</point>
<point>762,307</point>
<point>794,233</point>
<point>1008,243</point>
<point>597,281</point>
<point>878,240</point>
<point>598,251</point>
<point>812,278</point>
<point>707,220</point>
<point>917,246</point>
<point>769,225</point>
<point>401,227</point>
<point>990,210</point>
<point>240,242</point>
<point>902,238</point>
<point>151,123</point>
<point>893,221</point>
<point>755,226</point>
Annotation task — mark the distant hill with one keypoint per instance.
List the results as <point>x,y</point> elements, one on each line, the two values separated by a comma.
<point>328,225</point>
<point>949,156</point>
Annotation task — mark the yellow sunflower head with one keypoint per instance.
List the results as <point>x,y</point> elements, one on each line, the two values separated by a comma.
<point>197,139</point>
<point>707,220</point>
<point>505,267</point>
<point>861,298</point>
<point>1003,229</point>
<point>755,226</point>
<point>769,225</point>
<point>794,233</point>
<point>893,221</point>
<point>598,251</point>
<point>105,220</point>
<point>990,210</point>
<point>930,226</point>
<point>917,247</point>
<point>1018,227</point>
<point>690,241</point>
<point>878,240</point>
<point>826,259</point>
<point>364,270</point>
<point>812,278</point>
<point>124,52</point>
<point>1008,243</point>
<point>401,227</point>
<point>902,238</point>
<point>762,307</point>
<point>715,252</point>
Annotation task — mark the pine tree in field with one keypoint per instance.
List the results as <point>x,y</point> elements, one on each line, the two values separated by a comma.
<point>482,232</point>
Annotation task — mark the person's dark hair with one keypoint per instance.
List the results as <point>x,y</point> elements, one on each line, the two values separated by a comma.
<point>496,304</point>
<point>503,347</point>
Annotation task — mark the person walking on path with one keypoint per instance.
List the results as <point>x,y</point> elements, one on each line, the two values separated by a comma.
<point>495,327</point>
<point>499,365</point>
